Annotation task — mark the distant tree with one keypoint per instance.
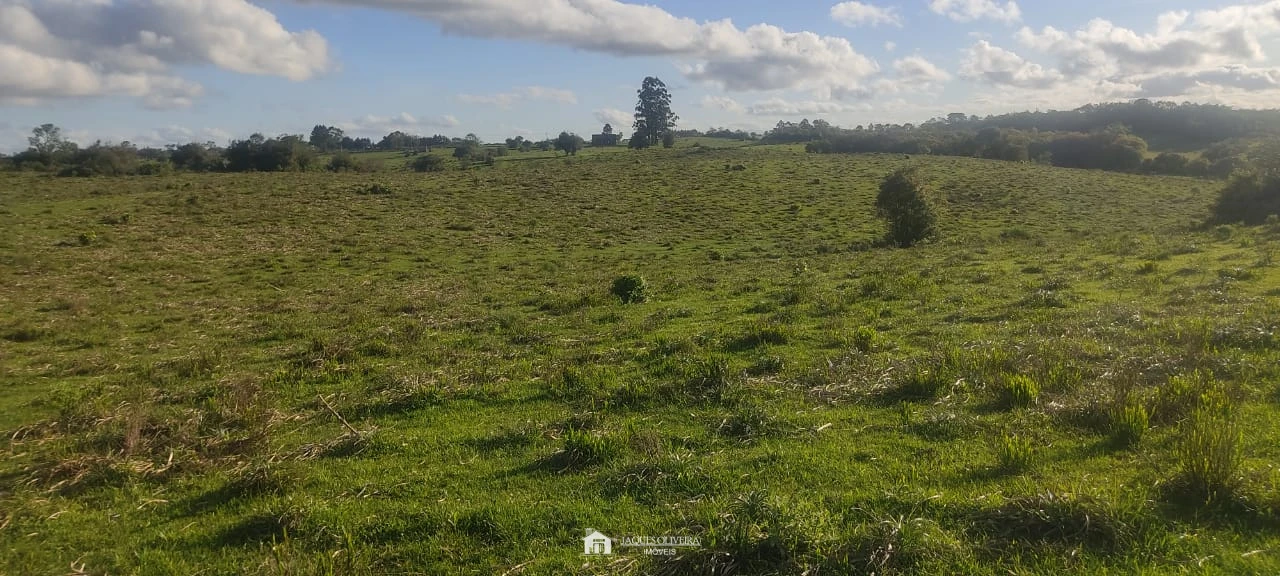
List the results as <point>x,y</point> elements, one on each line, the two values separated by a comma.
<point>903,202</point>
<point>568,143</point>
<point>326,138</point>
<point>668,139</point>
<point>473,139</point>
<point>608,129</point>
<point>653,116</point>
<point>46,139</point>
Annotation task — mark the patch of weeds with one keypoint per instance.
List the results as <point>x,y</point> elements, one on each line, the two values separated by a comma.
<point>1014,234</point>
<point>1018,391</point>
<point>1043,298</point>
<point>630,289</point>
<point>374,190</point>
<point>1068,520</point>
<point>915,383</point>
<point>484,525</point>
<point>711,379</point>
<point>650,482</point>
<point>901,545</point>
<point>760,334</point>
<point>942,426</point>
<point>579,382</point>
<point>1147,268</point>
<point>22,332</point>
<point>583,449</point>
<point>765,365</point>
<point>516,328</point>
<point>1014,454</point>
<point>749,422</point>
<point>1236,274</point>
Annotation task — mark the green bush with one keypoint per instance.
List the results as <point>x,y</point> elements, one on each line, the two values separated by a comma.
<point>1248,198</point>
<point>631,289</point>
<point>342,162</point>
<point>428,163</point>
<point>903,202</point>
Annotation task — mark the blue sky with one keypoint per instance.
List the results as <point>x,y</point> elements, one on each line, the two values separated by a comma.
<point>160,71</point>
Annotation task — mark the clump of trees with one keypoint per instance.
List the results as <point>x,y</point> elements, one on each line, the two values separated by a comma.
<point>261,154</point>
<point>904,203</point>
<point>569,143</point>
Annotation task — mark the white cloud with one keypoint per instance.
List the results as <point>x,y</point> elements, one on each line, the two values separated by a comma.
<point>970,10</point>
<point>1207,52</point>
<point>1239,78</point>
<point>916,69</point>
<point>372,125</point>
<point>855,14</point>
<point>68,49</point>
<point>890,46</point>
<point>722,103</point>
<point>781,107</point>
<point>761,57</point>
<point>617,118</point>
<point>995,65</point>
<point>525,94</point>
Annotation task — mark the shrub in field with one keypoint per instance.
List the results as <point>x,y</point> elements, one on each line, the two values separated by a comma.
<point>342,162</point>
<point>428,163</point>
<point>1248,198</point>
<point>904,203</point>
<point>631,288</point>
<point>1019,391</point>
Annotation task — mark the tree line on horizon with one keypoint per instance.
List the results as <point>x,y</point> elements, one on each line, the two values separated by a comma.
<point>1200,140</point>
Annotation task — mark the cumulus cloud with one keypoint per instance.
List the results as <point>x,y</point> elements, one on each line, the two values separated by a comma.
<point>613,116</point>
<point>855,14</point>
<point>760,57</point>
<point>722,103</point>
<point>524,94</point>
<point>995,65</point>
<point>374,125</point>
<point>67,49</point>
<point>970,10</point>
<point>1181,41</point>
<point>1206,52</point>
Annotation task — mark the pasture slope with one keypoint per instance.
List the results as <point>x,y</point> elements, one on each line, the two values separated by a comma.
<point>398,373</point>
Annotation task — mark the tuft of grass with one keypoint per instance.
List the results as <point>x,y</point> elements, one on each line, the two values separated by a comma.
<point>581,449</point>
<point>1129,422</point>
<point>1019,391</point>
<point>1014,454</point>
<point>1209,452</point>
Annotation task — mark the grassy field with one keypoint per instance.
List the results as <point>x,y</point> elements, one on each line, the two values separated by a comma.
<point>427,374</point>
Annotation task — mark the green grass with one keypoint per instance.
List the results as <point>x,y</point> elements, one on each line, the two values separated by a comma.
<point>287,374</point>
